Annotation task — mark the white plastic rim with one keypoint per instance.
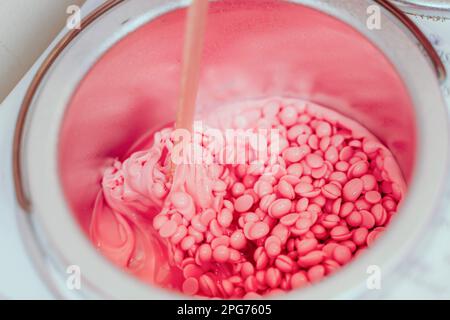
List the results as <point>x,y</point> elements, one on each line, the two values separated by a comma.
<point>61,237</point>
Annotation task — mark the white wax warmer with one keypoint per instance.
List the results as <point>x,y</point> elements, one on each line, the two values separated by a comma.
<point>102,87</point>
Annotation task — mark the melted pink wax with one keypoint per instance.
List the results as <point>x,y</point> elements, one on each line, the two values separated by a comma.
<point>240,231</point>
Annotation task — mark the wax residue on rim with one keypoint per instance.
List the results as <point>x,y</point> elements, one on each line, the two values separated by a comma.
<point>250,229</point>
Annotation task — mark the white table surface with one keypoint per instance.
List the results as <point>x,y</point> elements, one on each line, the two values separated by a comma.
<point>26,29</point>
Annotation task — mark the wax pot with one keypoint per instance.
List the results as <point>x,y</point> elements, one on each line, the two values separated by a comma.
<point>106,85</point>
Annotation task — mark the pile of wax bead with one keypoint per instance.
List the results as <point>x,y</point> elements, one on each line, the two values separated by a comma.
<point>248,230</point>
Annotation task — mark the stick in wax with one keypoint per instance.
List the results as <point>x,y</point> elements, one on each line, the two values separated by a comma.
<point>190,73</point>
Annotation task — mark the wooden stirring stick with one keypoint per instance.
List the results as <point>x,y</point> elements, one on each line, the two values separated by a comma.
<point>190,72</point>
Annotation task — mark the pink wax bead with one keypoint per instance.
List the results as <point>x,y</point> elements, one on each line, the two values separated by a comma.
<point>247,269</point>
<point>290,219</point>
<point>331,266</point>
<point>243,203</point>
<point>249,180</point>
<point>288,116</point>
<point>336,206</point>
<point>284,263</point>
<point>280,207</point>
<point>297,130</point>
<point>342,166</point>
<point>337,140</point>
<point>369,182</point>
<point>205,252</point>
<point>331,191</point>
<point>350,244</point>
<point>228,287</point>
<point>295,154</point>
<point>313,142</point>
<point>215,228</point>
<point>330,221</point>
<point>318,173</point>
<point>316,273</point>
<point>358,169</point>
<point>340,233</point>
<point>342,254</point>
<point>360,236</point>
<point>346,209</point>
<point>221,254</point>
<point>235,256</point>
<point>187,243</point>
<point>368,220</point>
<point>295,169</point>
<point>168,229</point>
<point>332,155</point>
<point>314,160</point>
<point>305,246</point>
<point>251,284</point>
<point>281,231</point>
<point>208,286</point>
<point>370,146</point>
<point>238,240</point>
<point>379,213</point>
<point>338,177</point>
<point>286,190</point>
<point>192,270</point>
<point>310,259</point>
<point>179,234</point>
<point>302,204</point>
<point>223,240</point>
<point>346,153</point>
<point>237,189</point>
<point>258,230</point>
<point>198,236</point>
<point>323,129</point>
<point>299,280</point>
<point>389,204</point>
<point>272,246</point>
<point>273,277</point>
<point>261,259</point>
<point>372,197</point>
<point>354,219</point>
<point>352,189</point>
<point>303,188</point>
<point>225,217</point>
<point>190,286</point>
<point>263,188</point>
<point>291,179</point>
